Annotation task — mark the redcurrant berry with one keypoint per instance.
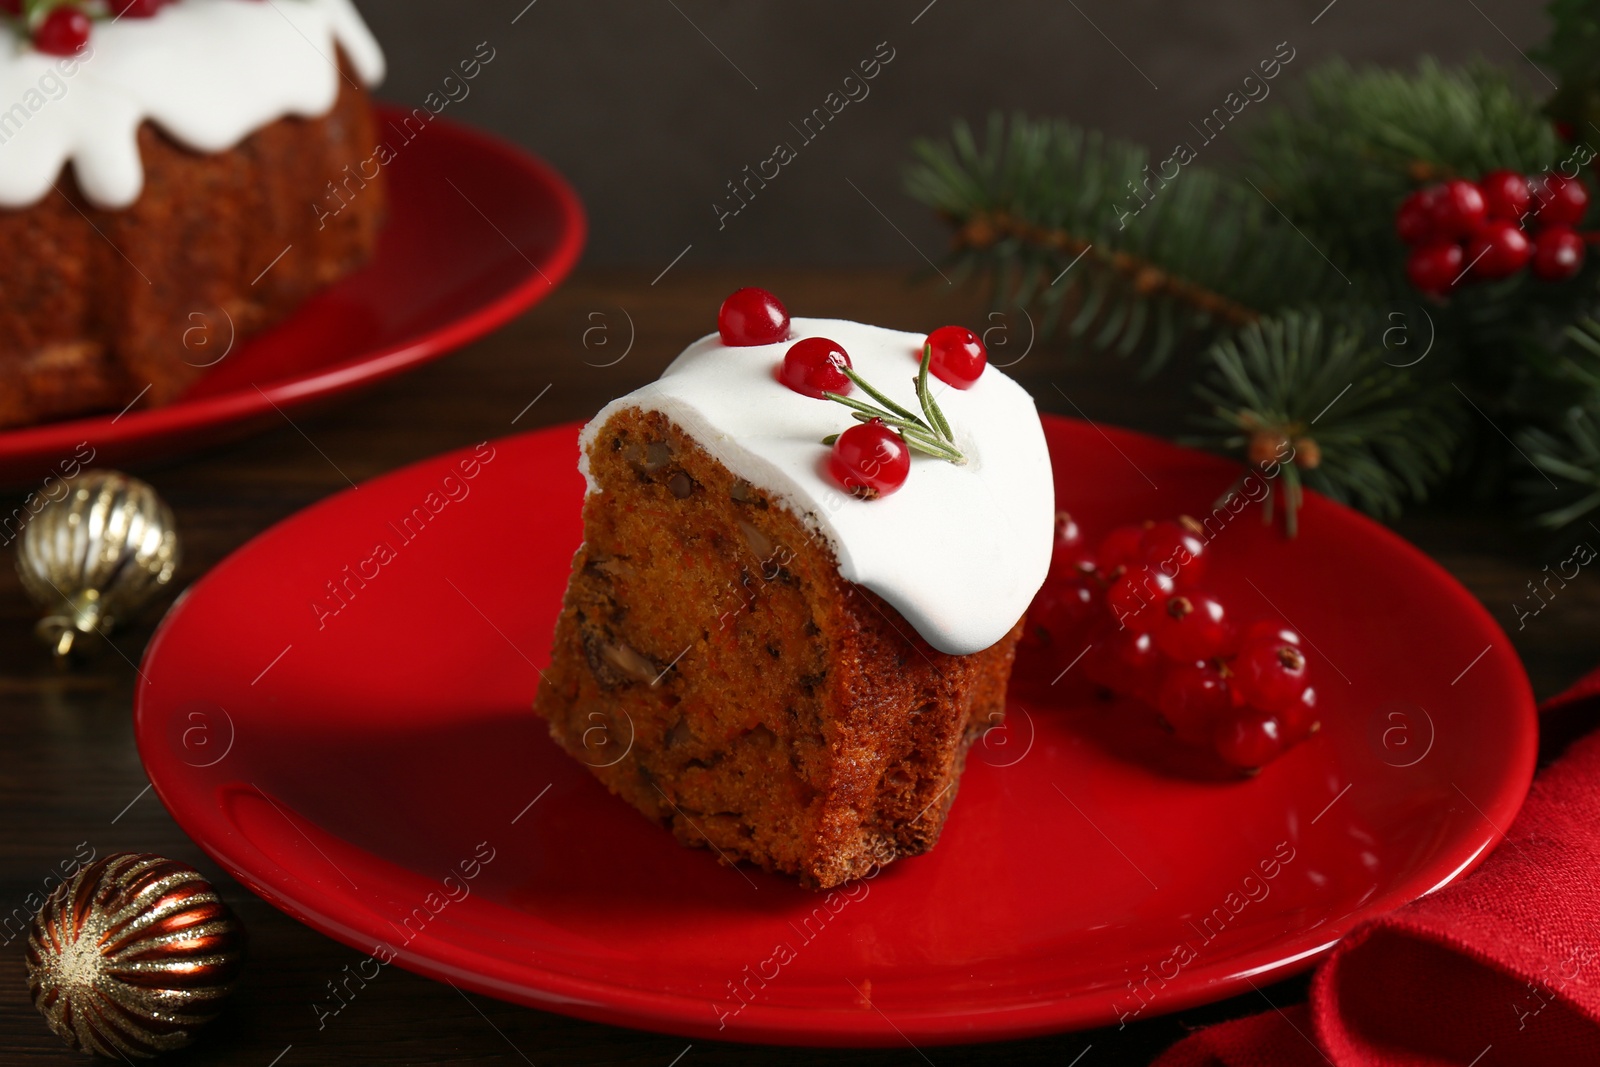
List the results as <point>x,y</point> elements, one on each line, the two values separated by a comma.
<point>1272,630</point>
<point>1122,547</point>
<point>1124,662</point>
<point>1069,557</point>
<point>752,317</point>
<point>814,366</point>
<point>1271,675</point>
<point>1562,201</point>
<point>1457,209</point>
<point>137,9</point>
<point>1414,220</point>
<point>63,32</point>
<point>1191,627</point>
<point>1176,549</point>
<point>1299,719</point>
<point>1192,697</point>
<point>1558,254</point>
<point>1434,268</point>
<point>1062,612</point>
<point>1498,249</point>
<point>870,460</point>
<point>956,357</point>
<point>1133,597</point>
<point>1248,739</point>
<point>1505,194</point>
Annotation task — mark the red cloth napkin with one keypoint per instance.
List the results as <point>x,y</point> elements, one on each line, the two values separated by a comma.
<point>1501,969</point>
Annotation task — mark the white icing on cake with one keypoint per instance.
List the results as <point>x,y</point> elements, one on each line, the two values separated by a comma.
<point>959,551</point>
<point>207,72</point>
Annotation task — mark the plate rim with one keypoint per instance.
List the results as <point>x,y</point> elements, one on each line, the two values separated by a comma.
<point>44,443</point>
<point>767,1024</point>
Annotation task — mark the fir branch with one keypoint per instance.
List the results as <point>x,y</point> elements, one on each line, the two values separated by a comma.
<point>1308,401</point>
<point>1091,235</point>
<point>1570,459</point>
<point>931,437</point>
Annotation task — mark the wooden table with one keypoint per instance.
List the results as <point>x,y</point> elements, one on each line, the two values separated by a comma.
<point>69,772</point>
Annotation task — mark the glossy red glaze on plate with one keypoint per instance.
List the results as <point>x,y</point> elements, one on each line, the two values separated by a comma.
<point>451,265</point>
<point>351,758</point>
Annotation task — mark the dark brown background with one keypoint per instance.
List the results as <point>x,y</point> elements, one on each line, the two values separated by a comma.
<point>648,119</point>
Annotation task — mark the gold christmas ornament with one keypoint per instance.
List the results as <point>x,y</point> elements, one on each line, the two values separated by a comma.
<point>96,555</point>
<point>132,956</point>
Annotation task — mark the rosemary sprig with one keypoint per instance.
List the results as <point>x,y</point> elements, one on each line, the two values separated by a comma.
<point>929,434</point>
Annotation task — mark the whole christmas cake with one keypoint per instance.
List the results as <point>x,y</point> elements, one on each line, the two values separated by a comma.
<point>164,180</point>
<point>792,627</point>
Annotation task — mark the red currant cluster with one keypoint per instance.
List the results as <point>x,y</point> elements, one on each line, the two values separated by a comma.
<point>870,459</point>
<point>62,29</point>
<point>1148,629</point>
<point>1479,231</point>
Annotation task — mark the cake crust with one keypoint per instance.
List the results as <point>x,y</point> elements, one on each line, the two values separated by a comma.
<point>762,706</point>
<point>96,304</point>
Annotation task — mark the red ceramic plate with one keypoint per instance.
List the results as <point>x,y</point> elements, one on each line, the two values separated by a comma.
<point>478,232</point>
<point>339,714</point>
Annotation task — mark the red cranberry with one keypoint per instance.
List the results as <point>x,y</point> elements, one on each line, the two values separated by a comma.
<point>752,317</point>
<point>1458,208</point>
<point>1558,254</point>
<point>1562,201</point>
<point>957,356</point>
<point>1248,739</point>
<point>1270,676</point>
<point>63,32</point>
<point>1505,194</point>
<point>870,460</point>
<point>814,366</point>
<point>1498,249</point>
<point>1434,268</point>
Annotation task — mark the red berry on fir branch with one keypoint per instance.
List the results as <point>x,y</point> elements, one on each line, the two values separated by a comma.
<point>1434,268</point>
<point>1270,675</point>
<point>870,460</point>
<point>1457,208</point>
<point>1561,201</point>
<point>1191,627</point>
<point>1558,254</point>
<point>1498,249</point>
<point>752,317</point>
<point>1414,220</point>
<point>1248,739</point>
<point>63,32</point>
<point>1505,194</point>
<point>956,357</point>
<point>814,366</point>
